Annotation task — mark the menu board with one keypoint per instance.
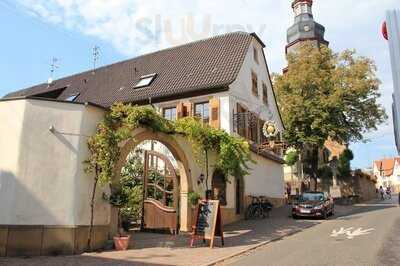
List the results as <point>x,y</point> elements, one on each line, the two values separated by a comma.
<point>208,222</point>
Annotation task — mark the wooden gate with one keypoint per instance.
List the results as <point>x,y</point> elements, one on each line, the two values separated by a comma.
<point>161,193</point>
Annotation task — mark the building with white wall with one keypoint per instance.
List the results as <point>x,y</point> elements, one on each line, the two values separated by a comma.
<point>387,173</point>
<point>223,80</point>
<point>44,190</point>
<point>391,31</point>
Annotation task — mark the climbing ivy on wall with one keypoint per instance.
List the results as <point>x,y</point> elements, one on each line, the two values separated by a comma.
<point>233,153</point>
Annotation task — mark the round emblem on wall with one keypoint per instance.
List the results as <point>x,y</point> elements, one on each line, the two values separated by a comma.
<point>270,129</point>
<point>306,28</point>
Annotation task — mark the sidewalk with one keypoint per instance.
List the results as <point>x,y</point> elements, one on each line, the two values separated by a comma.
<point>156,249</point>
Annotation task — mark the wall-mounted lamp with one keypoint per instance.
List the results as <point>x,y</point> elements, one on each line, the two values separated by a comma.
<point>200,180</point>
<point>52,129</point>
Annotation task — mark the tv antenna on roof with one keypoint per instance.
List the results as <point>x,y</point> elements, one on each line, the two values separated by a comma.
<point>53,67</point>
<point>96,56</point>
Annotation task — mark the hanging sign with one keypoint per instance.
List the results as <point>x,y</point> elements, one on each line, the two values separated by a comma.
<point>270,129</point>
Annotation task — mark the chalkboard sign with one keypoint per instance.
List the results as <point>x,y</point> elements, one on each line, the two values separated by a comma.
<point>208,223</point>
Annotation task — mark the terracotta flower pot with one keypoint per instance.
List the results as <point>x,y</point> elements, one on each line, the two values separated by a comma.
<point>121,242</point>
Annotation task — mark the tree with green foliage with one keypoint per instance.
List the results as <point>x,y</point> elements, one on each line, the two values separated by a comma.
<point>344,164</point>
<point>326,95</point>
<point>291,157</point>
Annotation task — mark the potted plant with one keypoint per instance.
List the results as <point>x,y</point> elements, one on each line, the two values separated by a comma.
<point>120,199</point>
<point>193,198</point>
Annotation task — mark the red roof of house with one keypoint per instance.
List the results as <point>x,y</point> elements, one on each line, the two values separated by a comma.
<point>386,165</point>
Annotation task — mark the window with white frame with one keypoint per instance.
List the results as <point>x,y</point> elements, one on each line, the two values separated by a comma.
<point>72,97</point>
<point>170,113</point>
<point>202,110</point>
<point>145,80</point>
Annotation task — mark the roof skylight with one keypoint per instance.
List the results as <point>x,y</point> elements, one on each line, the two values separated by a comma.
<point>72,97</point>
<point>145,80</point>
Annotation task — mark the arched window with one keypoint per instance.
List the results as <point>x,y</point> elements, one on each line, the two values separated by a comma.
<point>219,187</point>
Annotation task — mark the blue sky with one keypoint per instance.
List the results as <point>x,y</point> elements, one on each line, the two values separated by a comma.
<point>35,31</point>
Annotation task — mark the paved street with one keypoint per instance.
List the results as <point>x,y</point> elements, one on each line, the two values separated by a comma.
<point>368,235</point>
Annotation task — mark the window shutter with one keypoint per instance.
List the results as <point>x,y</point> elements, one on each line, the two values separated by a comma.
<point>254,83</point>
<point>187,109</point>
<point>179,110</point>
<point>214,113</point>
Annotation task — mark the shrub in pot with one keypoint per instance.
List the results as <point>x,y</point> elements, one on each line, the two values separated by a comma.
<point>119,198</point>
<point>193,198</point>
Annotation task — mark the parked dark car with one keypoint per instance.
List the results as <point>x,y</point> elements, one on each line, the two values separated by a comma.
<point>313,204</point>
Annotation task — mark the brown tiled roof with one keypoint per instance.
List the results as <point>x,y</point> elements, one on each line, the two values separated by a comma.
<point>196,68</point>
<point>386,166</point>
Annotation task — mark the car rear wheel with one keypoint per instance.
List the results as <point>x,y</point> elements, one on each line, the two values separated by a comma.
<point>325,214</point>
<point>294,216</point>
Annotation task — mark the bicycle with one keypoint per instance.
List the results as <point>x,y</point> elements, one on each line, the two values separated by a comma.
<point>258,208</point>
<point>389,194</point>
<point>266,205</point>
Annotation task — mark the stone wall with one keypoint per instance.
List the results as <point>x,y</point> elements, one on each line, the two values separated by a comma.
<point>360,184</point>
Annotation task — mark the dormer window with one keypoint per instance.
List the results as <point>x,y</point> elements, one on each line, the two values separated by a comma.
<point>72,97</point>
<point>145,81</point>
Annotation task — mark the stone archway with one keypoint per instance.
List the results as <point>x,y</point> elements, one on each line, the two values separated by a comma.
<point>141,134</point>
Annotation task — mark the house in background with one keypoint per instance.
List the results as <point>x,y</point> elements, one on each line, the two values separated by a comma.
<point>44,191</point>
<point>387,173</point>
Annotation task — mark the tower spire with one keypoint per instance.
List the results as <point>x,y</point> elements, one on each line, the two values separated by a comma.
<point>304,28</point>
<point>302,8</point>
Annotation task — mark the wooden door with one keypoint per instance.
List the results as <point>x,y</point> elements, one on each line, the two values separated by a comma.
<point>161,193</point>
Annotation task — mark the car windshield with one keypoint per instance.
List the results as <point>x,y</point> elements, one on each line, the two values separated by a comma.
<point>312,197</point>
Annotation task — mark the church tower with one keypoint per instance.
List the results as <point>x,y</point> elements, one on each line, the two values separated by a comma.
<point>304,29</point>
